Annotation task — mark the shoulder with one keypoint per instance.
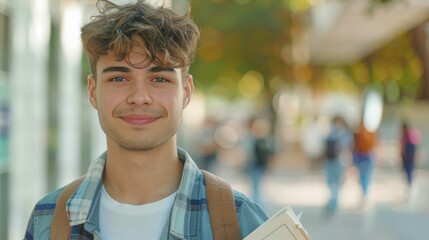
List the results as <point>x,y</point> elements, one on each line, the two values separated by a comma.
<point>40,220</point>
<point>51,198</point>
<point>250,214</point>
<point>47,204</point>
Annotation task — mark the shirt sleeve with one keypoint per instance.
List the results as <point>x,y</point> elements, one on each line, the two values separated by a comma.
<point>29,233</point>
<point>39,223</point>
<point>250,214</point>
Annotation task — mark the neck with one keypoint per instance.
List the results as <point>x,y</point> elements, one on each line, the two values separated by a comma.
<point>139,177</point>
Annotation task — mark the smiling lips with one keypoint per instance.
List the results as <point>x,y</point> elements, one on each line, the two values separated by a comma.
<point>137,119</point>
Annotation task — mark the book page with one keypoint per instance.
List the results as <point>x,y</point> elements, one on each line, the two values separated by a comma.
<point>284,225</point>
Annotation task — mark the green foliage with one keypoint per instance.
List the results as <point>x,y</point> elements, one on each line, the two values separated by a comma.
<point>237,38</point>
<point>395,67</point>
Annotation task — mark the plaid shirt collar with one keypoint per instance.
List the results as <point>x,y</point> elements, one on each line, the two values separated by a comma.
<point>183,222</point>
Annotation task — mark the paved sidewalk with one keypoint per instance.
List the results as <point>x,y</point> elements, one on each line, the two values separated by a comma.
<point>388,214</point>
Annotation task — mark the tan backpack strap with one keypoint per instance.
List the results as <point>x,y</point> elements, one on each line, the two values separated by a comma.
<point>60,227</point>
<point>221,206</point>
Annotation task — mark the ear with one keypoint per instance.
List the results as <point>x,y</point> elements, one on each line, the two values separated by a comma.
<point>188,88</point>
<point>91,87</point>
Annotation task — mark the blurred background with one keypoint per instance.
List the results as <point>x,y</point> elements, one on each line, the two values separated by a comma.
<point>277,70</point>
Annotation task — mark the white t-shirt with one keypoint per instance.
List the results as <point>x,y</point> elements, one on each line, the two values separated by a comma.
<point>125,221</point>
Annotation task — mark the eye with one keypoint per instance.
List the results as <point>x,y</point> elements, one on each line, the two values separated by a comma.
<point>118,79</point>
<point>160,80</point>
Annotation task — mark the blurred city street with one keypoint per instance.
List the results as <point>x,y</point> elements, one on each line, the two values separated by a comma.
<point>388,214</point>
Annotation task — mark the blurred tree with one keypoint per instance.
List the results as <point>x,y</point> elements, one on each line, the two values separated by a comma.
<point>401,67</point>
<point>404,62</point>
<point>395,69</point>
<point>252,40</point>
<point>238,37</point>
<point>420,43</point>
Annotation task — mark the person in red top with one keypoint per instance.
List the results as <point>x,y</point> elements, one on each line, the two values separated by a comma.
<point>364,157</point>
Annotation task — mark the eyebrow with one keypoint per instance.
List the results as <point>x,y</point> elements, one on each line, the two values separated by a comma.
<point>116,69</point>
<point>156,69</point>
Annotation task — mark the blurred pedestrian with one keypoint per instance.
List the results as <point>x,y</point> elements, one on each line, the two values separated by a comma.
<point>206,146</point>
<point>337,143</point>
<point>364,158</point>
<point>409,140</point>
<point>259,153</point>
<point>312,141</point>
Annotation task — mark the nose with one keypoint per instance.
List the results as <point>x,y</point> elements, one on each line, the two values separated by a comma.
<point>139,94</point>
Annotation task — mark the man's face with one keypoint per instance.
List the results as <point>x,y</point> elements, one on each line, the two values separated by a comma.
<point>138,108</point>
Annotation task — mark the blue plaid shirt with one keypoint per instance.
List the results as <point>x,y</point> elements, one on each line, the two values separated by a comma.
<point>189,217</point>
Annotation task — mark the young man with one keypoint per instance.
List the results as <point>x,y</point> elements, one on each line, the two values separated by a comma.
<point>144,186</point>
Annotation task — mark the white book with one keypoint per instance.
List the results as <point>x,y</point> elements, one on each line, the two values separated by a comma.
<point>284,225</point>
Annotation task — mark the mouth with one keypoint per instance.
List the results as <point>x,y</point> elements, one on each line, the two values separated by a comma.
<point>138,119</point>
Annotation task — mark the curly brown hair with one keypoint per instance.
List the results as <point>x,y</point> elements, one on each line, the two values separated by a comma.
<point>168,38</point>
